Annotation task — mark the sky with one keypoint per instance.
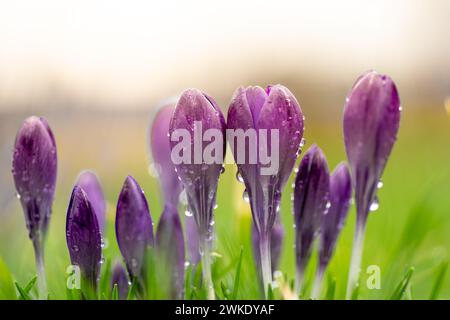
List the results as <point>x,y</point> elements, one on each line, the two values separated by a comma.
<point>125,53</point>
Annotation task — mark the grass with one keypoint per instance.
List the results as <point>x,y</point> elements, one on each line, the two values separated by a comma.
<point>407,238</point>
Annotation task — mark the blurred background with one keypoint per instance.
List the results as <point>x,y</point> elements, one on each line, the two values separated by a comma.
<point>98,69</point>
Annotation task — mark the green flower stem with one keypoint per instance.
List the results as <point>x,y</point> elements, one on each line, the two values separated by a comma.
<point>355,262</point>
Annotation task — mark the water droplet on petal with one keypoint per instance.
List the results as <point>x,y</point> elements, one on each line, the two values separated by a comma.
<point>380,184</point>
<point>188,213</point>
<point>222,170</point>
<point>245,196</point>
<point>239,177</point>
<point>374,205</point>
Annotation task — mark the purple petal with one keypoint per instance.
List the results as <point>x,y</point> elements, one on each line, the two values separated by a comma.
<point>311,196</point>
<point>134,229</point>
<point>120,278</point>
<point>333,221</point>
<point>170,245</point>
<point>89,182</point>
<point>160,146</point>
<point>34,167</point>
<point>199,178</point>
<point>83,237</point>
<point>371,122</point>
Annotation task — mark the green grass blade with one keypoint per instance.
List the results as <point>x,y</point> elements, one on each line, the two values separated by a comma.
<point>23,294</point>
<point>437,285</point>
<point>115,293</point>
<point>403,285</point>
<point>237,277</point>
<point>6,283</point>
<point>331,289</point>
<point>225,291</point>
<point>30,284</point>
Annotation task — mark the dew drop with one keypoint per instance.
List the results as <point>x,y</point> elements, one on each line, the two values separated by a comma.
<point>187,264</point>
<point>302,142</point>
<point>380,184</point>
<point>188,213</point>
<point>245,196</point>
<point>222,170</point>
<point>239,177</point>
<point>18,196</point>
<point>328,205</point>
<point>216,206</point>
<point>374,205</point>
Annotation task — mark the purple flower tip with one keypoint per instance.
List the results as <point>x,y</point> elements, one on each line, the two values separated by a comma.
<point>371,122</point>
<point>311,202</point>
<point>34,167</point>
<point>333,221</point>
<point>134,230</point>
<point>83,237</point>
<point>161,151</point>
<point>89,182</point>
<point>120,278</point>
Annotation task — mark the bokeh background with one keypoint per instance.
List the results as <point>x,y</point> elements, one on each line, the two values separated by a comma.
<point>97,70</point>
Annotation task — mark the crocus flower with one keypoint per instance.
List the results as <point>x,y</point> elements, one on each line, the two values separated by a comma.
<point>134,231</point>
<point>84,240</point>
<point>89,182</point>
<point>170,245</point>
<point>34,167</point>
<point>120,279</point>
<point>169,234</point>
<point>371,122</point>
<point>311,202</point>
<point>262,113</point>
<point>333,221</point>
<point>199,123</point>
<point>276,245</point>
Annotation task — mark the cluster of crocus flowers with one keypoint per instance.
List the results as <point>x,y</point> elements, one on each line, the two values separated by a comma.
<point>320,201</point>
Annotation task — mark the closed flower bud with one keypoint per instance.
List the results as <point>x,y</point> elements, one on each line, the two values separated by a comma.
<point>271,122</point>
<point>84,240</point>
<point>311,202</point>
<point>120,279</point>
<point>134,230</point>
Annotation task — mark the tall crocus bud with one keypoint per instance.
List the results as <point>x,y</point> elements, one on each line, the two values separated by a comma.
<point>276,245</point>
<point>169,234</point>
<point>134,231</point>
<point>120,279</point>
<point>89,182</point>
<point>170,245</point>
<point>371,122</point>
<point>268,130</point>
<point>333,221</point>
<point>311,202</point>
<point>34,167</point>
<point>84,240</point>
<point>197,132</point>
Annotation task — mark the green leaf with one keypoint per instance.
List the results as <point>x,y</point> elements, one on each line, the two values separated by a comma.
<point>331,288</point>
<point>437,285</point>
<point>30,284</point>
<point>131,292</point>
<point>237,277</point>
<point>23,294</point>
<point>105,278</point>
<point>6,283</point>
<point>225,291</point>
<point>270,295</point>
<point>403,285</point>
<point>115,293</point>
<point>187,282</point>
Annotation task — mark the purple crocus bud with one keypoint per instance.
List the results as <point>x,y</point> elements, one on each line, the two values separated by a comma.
<point>34,167</point>
<point>371,122</point>
<point>134,230</point>
<point>170,246</point>
<point>311,202</point>
<point>89,182</point>
<point>84,240</point>
<point>276,245</point>
<point>333,221</point>
<point>161,151</point>
<point>120,279</point>
<point>199,123</point>
<point>192,240</point>
<point>272,122</point>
